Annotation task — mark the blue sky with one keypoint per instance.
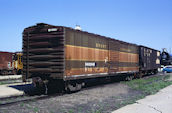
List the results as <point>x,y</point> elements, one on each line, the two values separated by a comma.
<point>144,22</point>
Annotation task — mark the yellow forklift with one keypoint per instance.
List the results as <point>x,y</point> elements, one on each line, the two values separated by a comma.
<point>17,62</point>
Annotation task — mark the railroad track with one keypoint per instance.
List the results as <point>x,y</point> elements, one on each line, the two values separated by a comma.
<point>24,98</point>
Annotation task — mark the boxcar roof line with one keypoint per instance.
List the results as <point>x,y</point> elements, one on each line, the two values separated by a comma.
<point>80,31</point>
<point>120,41</point>
<point>148,47</point>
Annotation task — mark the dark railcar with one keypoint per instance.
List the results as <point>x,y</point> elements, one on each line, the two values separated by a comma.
<point>6,65</point>
<point>166,58</point>
<point>149,60</point>
<point>70,56</point>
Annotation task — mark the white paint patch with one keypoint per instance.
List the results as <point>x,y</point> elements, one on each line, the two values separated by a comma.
<point>52,29</point>
<point>90,64</point>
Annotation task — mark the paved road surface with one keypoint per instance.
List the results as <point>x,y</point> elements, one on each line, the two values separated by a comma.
<point>16,89</point>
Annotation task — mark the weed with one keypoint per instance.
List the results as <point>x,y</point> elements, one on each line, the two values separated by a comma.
<point>35,109</point>
<point>21,104</point>
<point>51,111</point>
<point>28,106</point>
<point>129,101</point>
<point>71,111</point>
<point>97,111</point>
<point>80,109</point>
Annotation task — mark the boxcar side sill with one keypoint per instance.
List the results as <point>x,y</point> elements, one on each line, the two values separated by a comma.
<point>83,76</point>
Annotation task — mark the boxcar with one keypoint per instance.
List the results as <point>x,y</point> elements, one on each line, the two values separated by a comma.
<point>65,56</point>
<point>149,60</point>
<point>6,66</point>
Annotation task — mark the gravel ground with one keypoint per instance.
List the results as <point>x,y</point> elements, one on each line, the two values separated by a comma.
<point>97,99</point>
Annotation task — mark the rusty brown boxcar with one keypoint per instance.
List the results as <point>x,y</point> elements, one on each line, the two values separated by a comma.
<point>69,56</point>
<point>6,66</point>
<point>149,60</point>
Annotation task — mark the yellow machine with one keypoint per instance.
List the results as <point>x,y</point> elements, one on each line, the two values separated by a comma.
<point>17,62</point>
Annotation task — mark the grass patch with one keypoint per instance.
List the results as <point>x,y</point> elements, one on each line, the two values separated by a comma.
<point>71,111</point>
<point>22,104</point>
<point>8,82</point>
<point>36,109</point>
<point>97,111</point>
<point>149,85</point>
<point>127,101</point>
<point>2,83</point>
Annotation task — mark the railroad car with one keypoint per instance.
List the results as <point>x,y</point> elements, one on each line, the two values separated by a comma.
<point>6,66</point>
<point>62,57</point>
<point>166,58</point>
<point>149,60</point>
<point>17,63</point>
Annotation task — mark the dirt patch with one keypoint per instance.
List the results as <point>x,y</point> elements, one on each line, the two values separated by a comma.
<point>97,99</point>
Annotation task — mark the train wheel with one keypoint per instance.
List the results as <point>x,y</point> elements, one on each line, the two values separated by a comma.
<point>4,72</point>
<point>130,77</point>
<point>72,87</point>
<point>140,75</point>
<point>19,72</point>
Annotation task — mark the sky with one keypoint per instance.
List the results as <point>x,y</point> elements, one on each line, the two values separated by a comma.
<point>142,22</point>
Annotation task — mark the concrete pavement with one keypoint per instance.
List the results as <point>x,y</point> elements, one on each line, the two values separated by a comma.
<point>16,89</point>
<point>6,91</point>
<point>161,102</point>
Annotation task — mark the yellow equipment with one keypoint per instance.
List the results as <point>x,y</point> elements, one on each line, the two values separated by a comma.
<point>17,62</point>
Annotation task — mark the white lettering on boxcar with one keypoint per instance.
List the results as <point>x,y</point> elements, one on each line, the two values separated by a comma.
<point>52,29</point>
<point>90,64</point>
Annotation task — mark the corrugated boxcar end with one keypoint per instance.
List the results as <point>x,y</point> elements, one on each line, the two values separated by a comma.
<point>43,51</point>
<point>6,60</point>
<point>6,64</point>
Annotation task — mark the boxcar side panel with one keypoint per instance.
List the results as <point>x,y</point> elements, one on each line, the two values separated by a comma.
<point>85,53</point>
<point>128,57</point>
<point>113,56</point>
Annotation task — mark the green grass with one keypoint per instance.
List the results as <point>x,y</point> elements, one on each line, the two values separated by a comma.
<point>22,104</point>
<point>36,109</point>
<point>1,83</point>
<point>129,101</point>
<point>97,111</point>
<point>150,85</point>
<point>7,82</point>
<point>71,111</point>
